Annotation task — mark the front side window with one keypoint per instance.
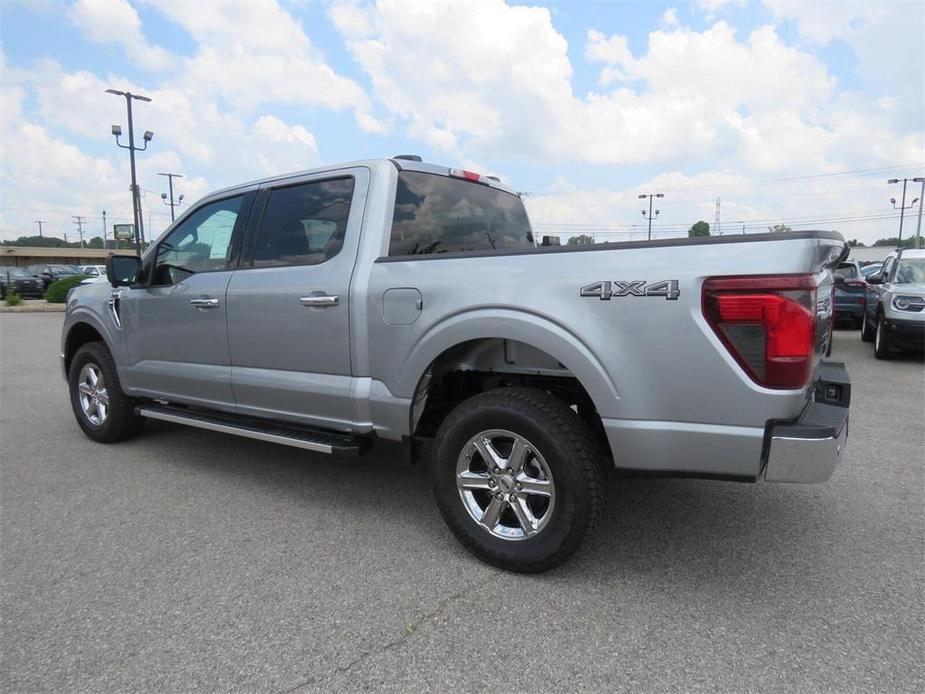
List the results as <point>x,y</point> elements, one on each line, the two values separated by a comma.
<point>200,244</point>
<point>304,224</point>
<point>438,214</point>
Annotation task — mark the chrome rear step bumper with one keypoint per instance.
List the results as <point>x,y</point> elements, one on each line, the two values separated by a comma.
<point>808,450</point>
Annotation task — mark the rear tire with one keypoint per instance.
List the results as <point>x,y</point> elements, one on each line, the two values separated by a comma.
<point>882,341</point>
<point>104,412</point>
<point>530,506</point>
<point>867,330</point>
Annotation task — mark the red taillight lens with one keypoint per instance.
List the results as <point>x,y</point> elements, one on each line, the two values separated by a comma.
<point>768,323</point>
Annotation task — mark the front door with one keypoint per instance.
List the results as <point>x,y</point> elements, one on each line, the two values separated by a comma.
<point>288,303</point>
<point>175,326</point>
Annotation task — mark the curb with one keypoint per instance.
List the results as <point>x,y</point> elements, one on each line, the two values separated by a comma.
<point>34,307</point>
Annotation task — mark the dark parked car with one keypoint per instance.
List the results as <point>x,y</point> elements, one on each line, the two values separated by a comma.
<point>19,281</point>
<point>850,293</point>
<point>53,273</point>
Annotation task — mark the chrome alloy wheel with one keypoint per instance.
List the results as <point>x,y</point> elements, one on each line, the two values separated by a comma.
<point>505,484</point>
<point>91,391</point>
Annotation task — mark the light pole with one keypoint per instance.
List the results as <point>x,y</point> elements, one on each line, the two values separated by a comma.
<point>643,196</point>
<point>918,226</point>
<point>104,229</point>
<point>79,221</point>
<point>902,208</point>
<point>40,222</point>
<point>170,177</point>
<point>117,131</point>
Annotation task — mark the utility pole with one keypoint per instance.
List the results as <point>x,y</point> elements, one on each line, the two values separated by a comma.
<point>717,230</point>
<point>79,221</point>
<point>643,196</point>
<point>902,207</point>
<point>104,229</point>
<point>171,204</point>
<point>918,226</point>
<point>40,222</point>
<point>117,131</point>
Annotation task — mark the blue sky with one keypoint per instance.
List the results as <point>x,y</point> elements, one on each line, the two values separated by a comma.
<point>583,105</point>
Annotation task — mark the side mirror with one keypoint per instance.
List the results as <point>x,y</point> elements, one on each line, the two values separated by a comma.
<point>122,270</point>
<point>875,279</point>
<point>839,280</point>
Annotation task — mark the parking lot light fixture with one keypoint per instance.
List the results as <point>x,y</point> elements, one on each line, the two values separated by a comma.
<point>117,132</point>
<point>643,196</point>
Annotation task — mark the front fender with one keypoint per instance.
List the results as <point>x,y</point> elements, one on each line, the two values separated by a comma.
<point>89,306</point>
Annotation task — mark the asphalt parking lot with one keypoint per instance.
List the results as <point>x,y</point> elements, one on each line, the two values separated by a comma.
<point>188,560</point>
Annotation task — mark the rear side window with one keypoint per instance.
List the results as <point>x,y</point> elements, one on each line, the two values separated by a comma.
<point>304,224</point>
<point>438,214</point>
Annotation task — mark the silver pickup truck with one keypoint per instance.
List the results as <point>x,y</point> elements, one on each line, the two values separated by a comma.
<point>394,300</point>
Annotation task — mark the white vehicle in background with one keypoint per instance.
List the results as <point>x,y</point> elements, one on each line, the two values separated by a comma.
<point>894,317</point>
<point>94,273</point>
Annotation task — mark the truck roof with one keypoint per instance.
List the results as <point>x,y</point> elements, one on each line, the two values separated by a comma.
<point>401,164</point>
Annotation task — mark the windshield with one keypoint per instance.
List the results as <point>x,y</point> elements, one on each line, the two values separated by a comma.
<point>910,271</point>
<point>14,272</point>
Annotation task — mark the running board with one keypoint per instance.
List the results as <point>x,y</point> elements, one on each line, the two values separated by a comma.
<point>317,440</point>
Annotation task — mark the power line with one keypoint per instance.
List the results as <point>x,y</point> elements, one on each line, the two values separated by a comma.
<point>748,184</point>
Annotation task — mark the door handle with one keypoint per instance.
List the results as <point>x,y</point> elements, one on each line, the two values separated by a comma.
<point>203,303</point>
<point>320,300</point>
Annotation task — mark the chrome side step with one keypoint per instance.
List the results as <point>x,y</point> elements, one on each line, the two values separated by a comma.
<point>316,440</point>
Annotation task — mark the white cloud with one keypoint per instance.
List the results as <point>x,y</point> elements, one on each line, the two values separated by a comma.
<point>255,53</point>
<point>116,21</point>
<point>885,38</point>
<point>670,16</point>
<point>714,5</point>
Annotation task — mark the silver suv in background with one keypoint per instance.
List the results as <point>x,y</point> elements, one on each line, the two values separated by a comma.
<point>894,317</point>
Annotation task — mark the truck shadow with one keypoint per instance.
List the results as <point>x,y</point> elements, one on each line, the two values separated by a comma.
<point>665,531</point>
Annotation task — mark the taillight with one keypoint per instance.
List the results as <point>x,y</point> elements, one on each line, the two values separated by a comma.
<point>467,175</point>
<point>768,324</point>
<point>856,284</point>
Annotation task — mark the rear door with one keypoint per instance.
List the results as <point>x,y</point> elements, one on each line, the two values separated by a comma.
<point>175,326</point>
<point>288,303</point>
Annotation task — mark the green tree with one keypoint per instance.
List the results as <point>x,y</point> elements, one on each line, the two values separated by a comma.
<point>854,243</point>
<point>580,240</point>
<point>700,228</point>
<point>779,228</point>
<point>893,242</point>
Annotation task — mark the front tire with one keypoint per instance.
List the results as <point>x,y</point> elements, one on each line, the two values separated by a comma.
<point>516,475</point>
<point>104,412</point>
<point>867,330</point>
<point>882,348</point>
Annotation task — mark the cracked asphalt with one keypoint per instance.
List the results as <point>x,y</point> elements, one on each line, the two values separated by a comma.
<point>187,560</point>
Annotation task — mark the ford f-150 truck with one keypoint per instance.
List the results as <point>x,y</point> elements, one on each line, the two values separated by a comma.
<point>396,300</point>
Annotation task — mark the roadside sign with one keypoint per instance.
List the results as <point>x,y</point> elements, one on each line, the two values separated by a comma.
<point>123,231</point>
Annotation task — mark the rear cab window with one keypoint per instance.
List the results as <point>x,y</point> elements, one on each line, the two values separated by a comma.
<point>437,214</point>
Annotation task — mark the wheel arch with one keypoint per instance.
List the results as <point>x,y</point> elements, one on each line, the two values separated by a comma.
<point>79,334</point>
<point>505,343</point>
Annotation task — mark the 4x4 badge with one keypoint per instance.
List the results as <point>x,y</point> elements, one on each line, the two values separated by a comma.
<point>605,290</point>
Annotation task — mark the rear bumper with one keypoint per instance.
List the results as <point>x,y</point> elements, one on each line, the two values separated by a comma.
<point>809,450</point>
